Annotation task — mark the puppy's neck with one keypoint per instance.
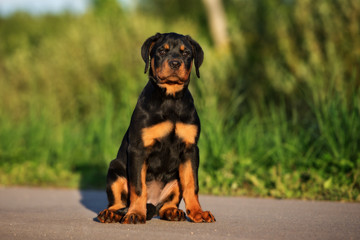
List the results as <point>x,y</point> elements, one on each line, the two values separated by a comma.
<point>169,90</point>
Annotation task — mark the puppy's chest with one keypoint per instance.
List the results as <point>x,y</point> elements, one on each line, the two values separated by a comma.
<point>170,132</point>
<point>165,141</point>
<point>172,126</point>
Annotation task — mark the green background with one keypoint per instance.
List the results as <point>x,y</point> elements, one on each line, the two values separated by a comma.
<point>279,106</point>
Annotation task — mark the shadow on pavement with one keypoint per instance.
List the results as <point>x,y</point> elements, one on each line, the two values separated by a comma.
<point>93,177</point>
<point>94,200</point>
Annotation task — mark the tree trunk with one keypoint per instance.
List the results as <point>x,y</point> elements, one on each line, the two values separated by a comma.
<point>217,22</point>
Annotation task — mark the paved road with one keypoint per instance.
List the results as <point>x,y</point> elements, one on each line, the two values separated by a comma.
<point>33,213</point>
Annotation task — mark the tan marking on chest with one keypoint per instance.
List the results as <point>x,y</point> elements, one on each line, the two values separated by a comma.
<point>155,132</point>
<point>187,132</point>
<point>172,89</point>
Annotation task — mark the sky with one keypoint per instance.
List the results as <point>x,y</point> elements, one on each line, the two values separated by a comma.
<point>7,7</point>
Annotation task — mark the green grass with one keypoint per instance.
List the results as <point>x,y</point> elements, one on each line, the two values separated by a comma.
<point>280,109</point>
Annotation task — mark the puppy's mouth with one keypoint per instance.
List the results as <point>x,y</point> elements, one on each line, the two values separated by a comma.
<point>171,80</point>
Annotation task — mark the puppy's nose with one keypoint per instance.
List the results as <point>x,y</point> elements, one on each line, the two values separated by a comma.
<point>174,64</point>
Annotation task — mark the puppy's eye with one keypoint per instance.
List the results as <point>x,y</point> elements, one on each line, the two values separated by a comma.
<point>186,53</point>
<point>162,52</point>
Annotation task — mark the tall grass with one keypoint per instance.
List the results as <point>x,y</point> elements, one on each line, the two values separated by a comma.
<point>280,111</point>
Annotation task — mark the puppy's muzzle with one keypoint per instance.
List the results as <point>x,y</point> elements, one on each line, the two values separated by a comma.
<point>174,64</point>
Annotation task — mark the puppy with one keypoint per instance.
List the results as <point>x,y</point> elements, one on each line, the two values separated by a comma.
<point>157,163</point>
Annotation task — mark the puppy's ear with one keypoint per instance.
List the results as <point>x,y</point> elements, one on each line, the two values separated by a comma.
<point>198,54</point>
<point>146,48</point>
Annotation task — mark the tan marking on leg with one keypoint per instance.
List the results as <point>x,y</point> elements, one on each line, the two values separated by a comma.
<point>138,203</point>
<point>117,188</point>
<point>169,210</point>
<point>188,186</point>
<point>168,189</point>
<point>187,132</point>
<point>193,208</point>
<point>155,132</point>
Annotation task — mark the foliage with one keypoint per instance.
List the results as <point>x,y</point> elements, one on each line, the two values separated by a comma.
<point>280,109</point>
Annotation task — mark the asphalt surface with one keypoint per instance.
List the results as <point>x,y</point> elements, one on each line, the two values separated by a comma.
<point>34,213</point>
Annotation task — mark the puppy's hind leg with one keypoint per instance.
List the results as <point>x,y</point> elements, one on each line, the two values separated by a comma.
<point>117,193</point>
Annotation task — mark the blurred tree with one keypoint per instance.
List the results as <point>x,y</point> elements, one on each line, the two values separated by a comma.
<point>217,22</point>
<point>208,14</point>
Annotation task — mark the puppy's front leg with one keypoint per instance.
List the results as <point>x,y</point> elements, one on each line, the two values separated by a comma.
<point>188,171</point>
<point>137,182</point>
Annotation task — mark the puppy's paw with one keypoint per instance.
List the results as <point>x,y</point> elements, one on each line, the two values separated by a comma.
<point>200,216</point>
<point>173,214</point>
<point>133,218</point>
<point>108,216</point>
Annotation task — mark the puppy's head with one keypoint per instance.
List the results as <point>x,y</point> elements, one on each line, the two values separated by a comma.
<point>171,56</point>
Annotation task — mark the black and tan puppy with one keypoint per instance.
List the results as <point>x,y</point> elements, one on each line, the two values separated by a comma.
<point>157,163</point>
